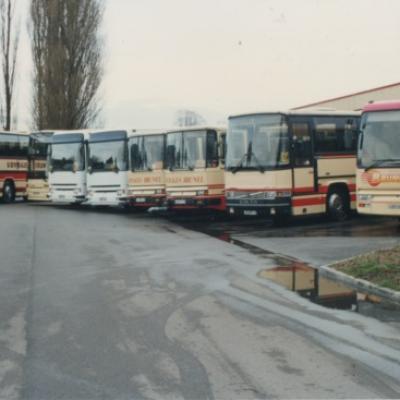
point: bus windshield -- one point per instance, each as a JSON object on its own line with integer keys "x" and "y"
{"x": 108, "y": 156}
{"x": 67, "y": 157}
{"x": 147, "y": 152}
{"x": 187, "y": 150}
{"x": 379, "y": 141}
{"x": 258, "y": 141}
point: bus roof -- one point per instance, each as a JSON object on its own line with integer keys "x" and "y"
{"x": 196, "y": 128}
{"x": 316, "y": 112}
{"x": 382, "y": 106}
{"x": 146, "y": 132}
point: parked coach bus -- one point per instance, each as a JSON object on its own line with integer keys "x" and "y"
{"x": 195, "y": 168}
{"x": 13, "y": 165}
{"x": 291, "y": 163}
{"x": 38, "y": 186}
{"x": 146, "y": 176}
{"x": 378, "y": 169}
{"x": 107, "y": 177}
{"x": 67, "y": 167}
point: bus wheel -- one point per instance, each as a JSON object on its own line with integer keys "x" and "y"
{"x": 8, "y": 192}
{"x": 338, "y": 205}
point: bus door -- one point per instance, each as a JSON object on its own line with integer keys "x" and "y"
{"x": 304, "y": 167}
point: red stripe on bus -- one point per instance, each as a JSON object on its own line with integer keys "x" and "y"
{"x": 313, "y": 201}
{"x": 333, "y": 155}
{"x": 14, "y": 175}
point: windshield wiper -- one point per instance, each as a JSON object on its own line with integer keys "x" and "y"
{"x": 239, "y": 164}
{"x": 259, "y": 166}
{"x": 378, "y": 163}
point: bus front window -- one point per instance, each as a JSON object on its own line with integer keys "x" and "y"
{"x": 108, "y": 156}
{"x": 153, "y": 152}
{"x": 67, "y": 157}
{"x": 380, "y": 145}
{"x": 194, "y": 150}
{"x": 260, "y": 142}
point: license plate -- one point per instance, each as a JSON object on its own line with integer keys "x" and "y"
{"x": 180, "y": 201}
{"x": 250, "y": 212}
{"x": 394, "y": 206}
{"x": 140, "y": 200}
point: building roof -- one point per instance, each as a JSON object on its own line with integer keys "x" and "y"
{"x": 348, "y": 95}
{"x": 316, "y": 112}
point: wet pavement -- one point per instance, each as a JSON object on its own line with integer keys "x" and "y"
{"x": 105, "y": 304}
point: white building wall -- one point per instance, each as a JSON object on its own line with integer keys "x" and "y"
{"x": 357, "y": 101}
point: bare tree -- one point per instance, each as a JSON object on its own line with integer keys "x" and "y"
{"x": 188, "y": 118}
{"x": 9, "y": 41}
{"x": 67, "y": 57}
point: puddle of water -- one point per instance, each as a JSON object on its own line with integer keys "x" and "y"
{"x": 306, "y": 281}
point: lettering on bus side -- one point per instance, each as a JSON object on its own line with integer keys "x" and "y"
{"x": 15, "y": 165}
{"x": 147, "y": 180}
{"x": 197, "y": 179}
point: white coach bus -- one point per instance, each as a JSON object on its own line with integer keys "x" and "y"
{"x": 67, "y": 167}
{"x": 107, "y": 178}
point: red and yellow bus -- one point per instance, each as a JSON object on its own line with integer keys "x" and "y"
{"x": 292, "y": 163}
{"x": 194, "y": 173}
{"x": 13, "y": 165}
{"x": 146, "y": 175}
{"x": 378, "y": 164}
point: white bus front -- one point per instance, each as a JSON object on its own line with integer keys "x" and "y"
{"x": 67, "y": 168}
{"x": 107, "y": 168}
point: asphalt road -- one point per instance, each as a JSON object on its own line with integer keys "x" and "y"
{"x": 102, "y": 304}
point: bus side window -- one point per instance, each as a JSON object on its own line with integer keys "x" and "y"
{"x": 302, "y": 144}
{"x": 222, "y": 149}
{"x": 212, "y": 149}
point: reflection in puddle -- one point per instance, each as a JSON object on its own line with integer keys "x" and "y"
{"x": 306, "y": 281}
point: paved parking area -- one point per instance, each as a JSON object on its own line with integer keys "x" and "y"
{"x": 103, "y": 304}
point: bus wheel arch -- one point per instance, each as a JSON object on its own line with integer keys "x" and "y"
{"x": 338, "y": 202}
{"x": 8, "y": 191}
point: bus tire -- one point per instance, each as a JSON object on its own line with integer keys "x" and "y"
{"x": 8, "y": 192}
{"x": 338, "y": 205}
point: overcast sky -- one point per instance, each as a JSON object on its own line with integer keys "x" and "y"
{"x": 221, "y": 57}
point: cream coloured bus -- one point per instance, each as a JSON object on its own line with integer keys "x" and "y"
{"x": 291, "y": 163}
{"x": 146, "y": 175}
{"x": 378, "y": 168}
{"x": 38, "y": 186}
{"x": 194, "y": 173}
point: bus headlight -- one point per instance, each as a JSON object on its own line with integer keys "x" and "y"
{"x": 270, "y": 195}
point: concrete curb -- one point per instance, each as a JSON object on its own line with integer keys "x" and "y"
{"x": 359, "y": 284}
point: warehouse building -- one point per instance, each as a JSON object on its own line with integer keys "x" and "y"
{"x": 356, "y": 101}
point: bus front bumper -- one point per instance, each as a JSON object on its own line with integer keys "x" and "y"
{"x": 63, "y": 197}
{"x": 147, "y": 201}
{"x": 259, "y": 208}
{"x": 379, "y": 204}
{"x": 196, "y": 202}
